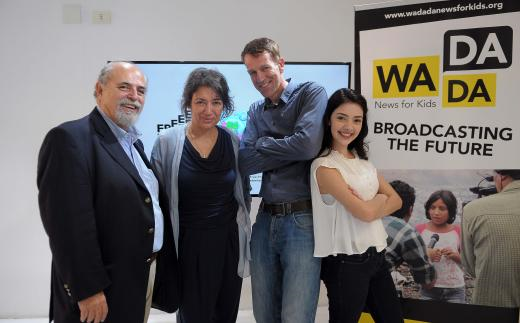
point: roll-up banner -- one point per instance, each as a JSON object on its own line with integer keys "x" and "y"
{"x": 442, "y": 82}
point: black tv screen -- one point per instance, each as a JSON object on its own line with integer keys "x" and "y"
{"x": 166, "y": 82}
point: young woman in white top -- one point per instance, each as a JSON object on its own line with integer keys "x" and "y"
{"x": 349, "y": 199}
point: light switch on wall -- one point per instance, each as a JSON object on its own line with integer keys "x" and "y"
{"x": 71, "y": 14}
{"x": 101, "y": 17}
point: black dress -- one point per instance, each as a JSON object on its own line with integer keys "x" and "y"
{"x": 208, "y": 234}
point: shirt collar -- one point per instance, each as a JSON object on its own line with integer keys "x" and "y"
{"x": 121, "y": 134}
{"x": 284, "y": 97}
{"x": 514, "y": 185}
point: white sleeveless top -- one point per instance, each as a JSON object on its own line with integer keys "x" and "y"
{"x": 449, "y": 273}
{"x": 336, "y": 230}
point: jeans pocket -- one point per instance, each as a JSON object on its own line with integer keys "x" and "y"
{"x": 303, "y": 220}
{"x": 255, "y": 233}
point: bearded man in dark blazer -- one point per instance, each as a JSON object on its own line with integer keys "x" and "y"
{"x": 102, "y": 209}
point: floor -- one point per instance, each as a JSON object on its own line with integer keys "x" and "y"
{"x": 244, "y": 316}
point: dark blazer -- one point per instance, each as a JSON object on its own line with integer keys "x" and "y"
{"x": 99, "y": 218}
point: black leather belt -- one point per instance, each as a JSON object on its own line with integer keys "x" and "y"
{"x": 286, "y": 208}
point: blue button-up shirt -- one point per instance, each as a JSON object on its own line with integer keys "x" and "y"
{"x": 127, "y": 141}
{"x": 281, "y": 140}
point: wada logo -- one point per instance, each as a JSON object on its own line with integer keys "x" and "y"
{"x": 469, "y": 90}
{"x": 464, "y": 50}
{"x": 406, "y": 77}
{"x": 475, "y": 49}
{"x": 478, "y": 48}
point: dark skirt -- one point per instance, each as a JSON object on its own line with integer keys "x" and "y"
{"x": 211, "y": 287}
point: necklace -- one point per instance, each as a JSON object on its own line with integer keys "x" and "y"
{"x": 196, "y": 146}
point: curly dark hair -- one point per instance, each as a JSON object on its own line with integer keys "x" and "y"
{"x": 448, "y": 198}
{"x": 338, "y": 98}
{"x": 407, "y": 194}
{"x": 210, "y": 78}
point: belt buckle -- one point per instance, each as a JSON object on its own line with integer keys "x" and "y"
{"x": 286, "y": 208}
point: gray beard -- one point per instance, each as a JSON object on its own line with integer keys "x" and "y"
{"x": 126, "y": 120}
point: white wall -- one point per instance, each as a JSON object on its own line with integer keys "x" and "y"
{"x": 48, "y": 70}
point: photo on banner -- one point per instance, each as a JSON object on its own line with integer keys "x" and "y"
{"x": 441, "y": 82}
{"x": 465, "y": 186}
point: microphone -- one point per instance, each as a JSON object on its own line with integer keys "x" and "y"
{"x": 433, "y": 240}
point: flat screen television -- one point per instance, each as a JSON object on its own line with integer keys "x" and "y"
{"x": 166, "y": 82}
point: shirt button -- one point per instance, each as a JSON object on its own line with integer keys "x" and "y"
{"x": 151, "y": 230}
{"x": 147, "y": 200}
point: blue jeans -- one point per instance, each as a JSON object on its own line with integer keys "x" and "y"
{"x": 285, "y": 277}
{"x": 451, "y": 295}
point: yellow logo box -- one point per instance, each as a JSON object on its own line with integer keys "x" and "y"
{"x": 406, "y": 77}
{"x": 469, "y": 90}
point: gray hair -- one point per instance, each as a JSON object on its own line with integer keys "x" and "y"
{"x": 210, "y": 78}
{"x": 106, "y": 71}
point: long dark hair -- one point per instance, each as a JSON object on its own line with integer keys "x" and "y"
{"x": 338, "y": 98}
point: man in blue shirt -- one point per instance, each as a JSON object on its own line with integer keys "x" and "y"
{"x": 283, "y": 134}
